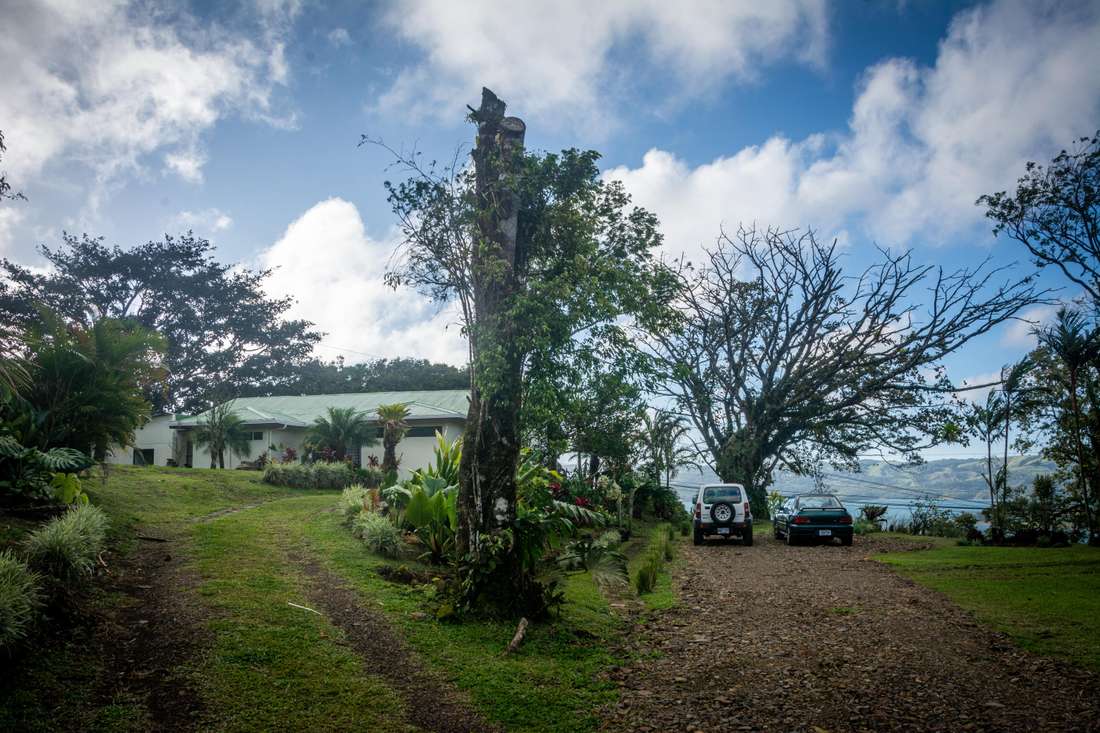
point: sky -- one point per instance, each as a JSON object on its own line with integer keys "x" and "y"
{"x": 877, "y": 123}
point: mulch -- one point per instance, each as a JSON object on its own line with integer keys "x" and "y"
{"x": 822, "y": 638}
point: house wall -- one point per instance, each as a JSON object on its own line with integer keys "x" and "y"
{"x": 414, "y": 453}
{"x": 155, "y": 435}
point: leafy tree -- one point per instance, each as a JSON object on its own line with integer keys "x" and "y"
{"x": 88, "y": 384}
{"x": 1076, "y": 346}
{"x": 341, "y": 430}
{"x": 394, "y": 427}
{"x": 1055, "y": 213}
{"x": 986, "y": 422}
{"x": 536, "y": 249}
{"x": 380, "y": 375}
{"x": 776, "y": 355}
{"x": 222, "y": 331}
{"x": 221, "y": 430}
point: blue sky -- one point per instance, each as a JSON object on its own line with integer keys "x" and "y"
{"x": 876, "y": 122}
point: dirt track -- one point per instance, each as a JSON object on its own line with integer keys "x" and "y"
{"x": 783, "y": 638}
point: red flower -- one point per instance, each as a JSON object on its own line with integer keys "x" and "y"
{"x": 581, "y": 501}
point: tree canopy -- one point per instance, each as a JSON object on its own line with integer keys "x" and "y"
{"x": 222, "y": 332}
{"x": 781, "y": 359}
{"x": 400, "y": 374}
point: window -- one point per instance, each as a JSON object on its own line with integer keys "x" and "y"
{"x": 143, "y": 456}
{"x": 818, "y": 502}
{"x": 254, "y": 434}
{"x": 424, "y": 431}
{"x": 711, "y": 494}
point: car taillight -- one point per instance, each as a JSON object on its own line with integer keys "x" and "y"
{"x": 801, "y": 520}
{"x": 746, "y": 510}
{"x": 846, "y": 519}
{"x": 698, "y": 510}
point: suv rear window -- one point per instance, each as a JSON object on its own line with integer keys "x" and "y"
{"x": 711, "y": 494}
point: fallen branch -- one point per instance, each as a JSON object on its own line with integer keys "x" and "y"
{"x": 521, "y": 631}
{"x": 304, "y": 608}
{"x": 147, "y": 538}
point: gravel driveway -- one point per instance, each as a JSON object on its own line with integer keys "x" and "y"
{"x": 818, "y": 638}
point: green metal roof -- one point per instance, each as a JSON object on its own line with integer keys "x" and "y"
{"x": 302, "y": 410}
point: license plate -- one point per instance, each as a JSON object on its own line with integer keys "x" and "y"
{"x": 824, "y": 533}
{"x": 723, "y": 530}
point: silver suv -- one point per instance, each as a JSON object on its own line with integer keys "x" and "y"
{"x": 722, "y": 510}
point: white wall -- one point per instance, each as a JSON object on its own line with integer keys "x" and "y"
{"x": 155, "y": 435}
{"x": 414, "y": 453}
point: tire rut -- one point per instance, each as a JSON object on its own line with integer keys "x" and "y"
{"x": 431, "y": 704}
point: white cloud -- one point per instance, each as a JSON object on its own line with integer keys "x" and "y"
{"x": 558, "y": 60}
{"x": 187, "y": 164}
{"x": 105, "y": 83}
{"x": 1012, "y": 82}
{"x": 339, "y": 37}
{"x": 203, "y": 223}
{"x": 978, "y": 396}
{"x": 326, "y": 261}
{"x": 9, "y": 218}
{"x": 1019, "y": 333}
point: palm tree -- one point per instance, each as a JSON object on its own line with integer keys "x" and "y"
{"x": 221, "y": 430}
{"x": 1075, "y": 345}
{"x": 344, "y": 429}
{"x": 664, "y": 446}
{"x": 394, "y": 427}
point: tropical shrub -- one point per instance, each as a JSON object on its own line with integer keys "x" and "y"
{"x": 445, "y": 463}
{"x": 20, "y": 598}
{"x": 221, "y": 430}
{"x": 873, "y": 512}
{"x": 66, "y": 548}
{"x": 310, "y": 475}
{"x": 67, "y": 489}
{"x": 434, "y": 518}
{"x": 26, "y": 473}
{"x": 392, "y": 418}
{"x": 342, "y": 430}
{"x": 646, "y": 578}
{"x": 378, "y": 533}
{"x": 353, "y": 500}
{"x": 863, "y": 526}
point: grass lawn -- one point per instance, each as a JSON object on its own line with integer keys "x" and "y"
{"x": 271, "y": 665}
{"x": 1047, "y": 600}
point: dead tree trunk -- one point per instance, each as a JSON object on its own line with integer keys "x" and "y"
{"x": 490, "y": 449}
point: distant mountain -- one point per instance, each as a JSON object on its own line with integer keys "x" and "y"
{"x": 946, "y": 479}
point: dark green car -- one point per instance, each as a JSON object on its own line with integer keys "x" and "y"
{"x": 811, "y": 518}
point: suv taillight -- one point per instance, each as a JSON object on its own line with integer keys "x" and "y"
{"x": 698, "y": 510}
{"x": 746, "y": 510}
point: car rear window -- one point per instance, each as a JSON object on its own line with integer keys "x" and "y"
{"x": 819, "y": 502}
{"x": 712, "y": 494}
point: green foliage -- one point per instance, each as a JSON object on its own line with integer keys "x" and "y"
{"x": 26, "y": 474}
{"x": 434, "y": 518}
{"x": 873, "y": 512}
{"x": 863, "y": 526}
{"x": 221, "y": 430}
{"x": 317, "y": 475}
{"x": 380, "y": 375}
{"x": 392, "y": 418}
{"x": 378, "y": 533}
{"x": 224, "y": 334}
{"x": 20, "y": 599}
{"x": 646, "y": 579}
{"x": 67, "y": 489}
{"x": 353, "y": 500}
{"x": 87, "y": 384}
{"x": 444, "y": 466}
{"x": 342, "y": 430}
{"x": 66, "y": 548}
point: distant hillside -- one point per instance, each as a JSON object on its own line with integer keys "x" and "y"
{"x": 952, "y": 478}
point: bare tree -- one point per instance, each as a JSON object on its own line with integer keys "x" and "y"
{"x": 776, "y": 355}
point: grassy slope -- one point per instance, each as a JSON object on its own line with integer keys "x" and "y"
{"x": 1047, "y": 600}
{"x": 274, "y": 666}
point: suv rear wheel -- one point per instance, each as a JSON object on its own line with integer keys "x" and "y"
{"x": 746, "y": 536}
{"x": 697, "y": 537}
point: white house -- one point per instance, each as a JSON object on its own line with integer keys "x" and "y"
{"x": 278, "y": 423}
